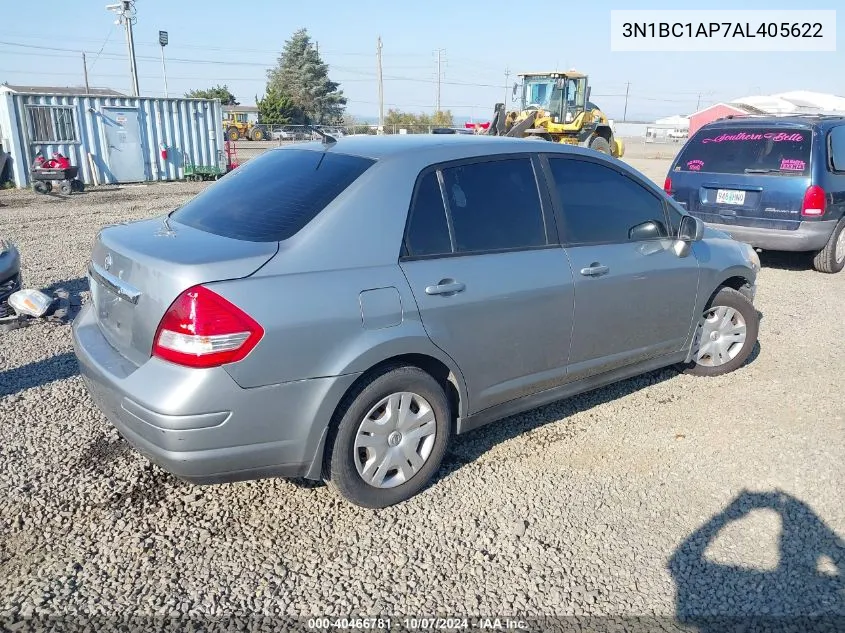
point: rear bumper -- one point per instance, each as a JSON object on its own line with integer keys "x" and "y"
{"x": 809, "y": 236}
{"x": 200, "y": 425}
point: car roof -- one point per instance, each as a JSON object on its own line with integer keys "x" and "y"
{"x": 806, "y": 120}
{"x": 450, "y": 145}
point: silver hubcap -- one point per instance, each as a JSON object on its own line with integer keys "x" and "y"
{"x": 839, "y": 251}
{"x": 720, "y": 336}
{"x": 395, "y": 440}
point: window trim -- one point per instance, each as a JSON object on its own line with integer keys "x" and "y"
{"x": 52, "y": 111}
{"x": 648, "y": 186}
{"x": 546, "y": 206}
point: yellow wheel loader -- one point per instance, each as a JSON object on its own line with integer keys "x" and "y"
{"x": 556, "y": 106}
{"x": 236, "y": 127}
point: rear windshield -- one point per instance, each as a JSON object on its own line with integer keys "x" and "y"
{"x": 271, "y": 197}
{"x": 784, "y": 152}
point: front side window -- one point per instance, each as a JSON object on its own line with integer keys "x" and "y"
{"x": 601, "y": 205}
{"x": 495, "y": 206}
{"x": 748, "y": 150}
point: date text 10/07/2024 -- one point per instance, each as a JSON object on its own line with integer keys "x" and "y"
{"x": 722, "y": 29}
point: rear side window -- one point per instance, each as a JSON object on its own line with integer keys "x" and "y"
{"x": 601, "y": 205}
{"x": 771, "y": 151}
{"x": 428, "y": 229}
{"x": 837, "y": 148}
{"x": 495, "y": 205}
{"x": 273, "y": 196}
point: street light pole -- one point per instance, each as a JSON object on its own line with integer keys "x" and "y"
{"x": 125, "y": 11}
{"x": 162, "y": 40}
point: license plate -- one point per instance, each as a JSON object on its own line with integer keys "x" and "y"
{"x": 730, "y": 196}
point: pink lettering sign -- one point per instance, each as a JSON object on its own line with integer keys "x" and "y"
{"x": 777, "y": 137}
{"x": 791, "y": 164}
{"x": 695, "y": 165}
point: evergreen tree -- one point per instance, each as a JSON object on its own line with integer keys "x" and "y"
{"x": 277, "y": 108}
{"x": 217, "y": 92}
{"x": 301, "y": 74}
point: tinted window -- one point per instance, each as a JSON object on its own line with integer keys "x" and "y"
{"x": 837, "y": 147}
{"x": 273, "y": 196}
{"x": 602, "y": 205}
{"x": 780, "y": 151}
{"x": 495, "y": 205}
{"x": 428, "y": 230}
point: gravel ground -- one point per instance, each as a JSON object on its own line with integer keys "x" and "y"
{"x": 608, "y": 504}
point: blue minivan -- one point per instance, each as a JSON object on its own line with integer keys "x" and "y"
{"x": 774, "y": 182}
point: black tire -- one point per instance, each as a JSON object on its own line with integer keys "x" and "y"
{"x": 831, "y": 259}
{"x": 258, "y": 134}
{"x": 77, "y": 185}
{"x": 600, "y": 144}
{"x": 40, "y": 186}
{"x": 730, "y": 298}
{"x": 340, "y": 470}
{"x": 233, "y": 134}
{"x": 65, "y": 187}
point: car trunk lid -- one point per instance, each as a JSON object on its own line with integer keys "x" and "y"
{"x": 137, "y": 270}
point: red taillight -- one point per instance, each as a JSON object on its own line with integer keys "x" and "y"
{"x": 202, "y": 329}
{"x": 667, "y": 185}
{"x": 814, "y": 201}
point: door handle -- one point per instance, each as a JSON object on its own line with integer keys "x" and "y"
{"x": 445, "y": 287}
{"x": 595, "y": 270}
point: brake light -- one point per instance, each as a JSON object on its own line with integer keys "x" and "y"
{"x": 667, "y": 185}
{"x": 814, "y": 201}
{"x": 202, "y": 329}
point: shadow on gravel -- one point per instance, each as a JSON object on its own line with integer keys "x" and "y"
{"x": 465, "y": 449}
{"x": 39, "y": 373}
{"x": 787, "y": 261}
{"x": 804, "y": 592}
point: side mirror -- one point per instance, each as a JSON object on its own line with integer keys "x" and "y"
{"x": 646, "y": 231}
{"x": 691, "y": 230}
{"x": 589, "y": 88}
{"x": 515, "y": 89}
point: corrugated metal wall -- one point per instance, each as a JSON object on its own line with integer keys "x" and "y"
{"x": 187, "y": 127}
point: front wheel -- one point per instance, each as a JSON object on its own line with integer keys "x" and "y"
{"x": 600, "y": 144}
{"x": 725, "y": 335}
{"x": 831, "y": 259}
{"x": 391, "y": 438}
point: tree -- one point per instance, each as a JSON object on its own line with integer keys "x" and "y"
{"x": 395, "y": 119}
{"x": 301, "y": 74}
{"x": 217, "y": 92}
{"x": 276, "y": 108}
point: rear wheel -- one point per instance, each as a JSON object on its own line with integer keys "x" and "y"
{"x": 831, "y": 259}
{"x": 600, "y": 144}
{"x": 41, "y": 186}
{"x": 391, "y": 438}
{"x": 257, "y": 134}
{"x": 725, "y": 335}
{"x": 65, "y": 187}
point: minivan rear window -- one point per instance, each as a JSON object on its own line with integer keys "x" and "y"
{"x": 271, "y": 197}
{"x": 768, "y": 151}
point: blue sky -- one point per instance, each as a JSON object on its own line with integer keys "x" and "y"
{"x": 234, "y": 42}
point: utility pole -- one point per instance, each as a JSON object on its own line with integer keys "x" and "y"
{"x": 85, "y": 73}
{"x": 162, "y": 40}
{"x": 625, "y": 113}
{"x": 380, "y": 88}
{"x": 698, "y": 103}
{"x": 439, "y": 52}
{"x": 126, "y": 15}
{"x": 507, "y": 74}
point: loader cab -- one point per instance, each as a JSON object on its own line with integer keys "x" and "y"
{"x": 563, "y": 95}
